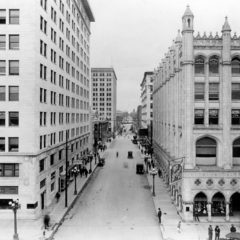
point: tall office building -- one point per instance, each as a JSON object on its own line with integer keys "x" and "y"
{"x": 146, "y": 99}
{"x": 104, "y": 94}
{"x": 44, "y": 94}
{"x": 197, "y": 122}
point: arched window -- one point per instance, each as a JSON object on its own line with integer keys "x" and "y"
{"x": 189, "y": 22}
{"x": 199, "y": 65}
{"x": 235, "y": 65}
{"x": 206, "y": 148}
{"x": 236, "y": 148}
{"x": 214, "y": 65}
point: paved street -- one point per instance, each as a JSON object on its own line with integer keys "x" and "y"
{"x": 117, "y": 203}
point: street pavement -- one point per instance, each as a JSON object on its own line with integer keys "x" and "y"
{"x": 116, "y": 204}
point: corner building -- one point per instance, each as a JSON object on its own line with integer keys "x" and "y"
{"x": 196, "y": 105}
{"x": 44, "y": 94}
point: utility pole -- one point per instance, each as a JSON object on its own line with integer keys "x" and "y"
{"x": 66, "y": 171}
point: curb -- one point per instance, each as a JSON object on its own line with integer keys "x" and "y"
{"x": 51, "y": 237}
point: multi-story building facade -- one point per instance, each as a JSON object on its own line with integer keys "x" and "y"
{"x": 44, "y": 94}
{"x": 104, "y": 94}
{"x": 196, "y": 122}
{"x": 146, "y": 99}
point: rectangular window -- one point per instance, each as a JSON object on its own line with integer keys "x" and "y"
{"x": 41, "y": 165}
{"x": 199, "y": 116}
{"x": 13, "y": 119}
{"x": 13, "y": 93}
{"x": 52, "y": 186}
{"x": 2, "y": 16}
{"x": 9, "y": 170}
{"x": 52, "y": 159}
{"x": 13, "y": 144}
{"x": 13, "y": 67}
{"x": 2, "y": 93}
{"x": 213, "y": 116}
{"x": 235, "y": 91}
{"x": 14, "y": 16}
{"x": 2, "y": 144}
{"x": 2, "y": 42}
{"x": 43, "y": 183}
{"x": 2, "y": 118}
{"x": 14, "y": 42}
{"x": 235, "y": 116}
{"x": 213, "y": 91}
{"x": 199, "y": 91}
{"x": 2, "y": 67}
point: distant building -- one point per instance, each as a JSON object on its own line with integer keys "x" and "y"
{"x": 196, "y": 122}
{"x": 44, "y": 94}
{"x": 146, "y": 99}
{"x": 104, "y": 94}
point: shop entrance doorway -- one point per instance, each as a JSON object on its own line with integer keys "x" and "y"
{"x": 234, "y": 204}
{"x": 200, "y": 204}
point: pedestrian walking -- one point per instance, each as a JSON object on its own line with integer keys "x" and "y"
{"x": 46, "y": 221}
{"x": 159, "y": 215}
{"x": 57, "y": 196}
{"x": 233, "y": 229}
{"x": 217, "y": 233}
{"x": 196, "y": 215}
{"x": 116, "y": 154}
{"x": 179, "y": 227}
{"x": 210, "y": 232}
{"x": 159, "y": 172}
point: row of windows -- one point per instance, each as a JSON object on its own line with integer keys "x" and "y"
{"x": 9, "y": 170}
{"x": 213, "y": 116}
{"x": 213, "y": 91}
{"x": 75, "y": 117}
{"x": 13, "y": 67}
{"x": 200, "y": 68}
{"x": 13, "y": 41}
{"x": 75, "y": 103}
{"x": 102, "y": 94}
{"x": 12, "y": 144}
{"x": 74, "y": 87}
{"x": 102, "y": 89}
{"x": 13, "y": 118}
{"x": 102, "y": 74}
{"x": 13, "y": 93}
{"x": 51, "y": 139}
{"x": 13, "y": 16}
{"x": 102, "y": 84}
{"x": 207, "y": 148}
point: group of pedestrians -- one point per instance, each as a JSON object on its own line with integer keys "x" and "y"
{"x": 217, "y": 231}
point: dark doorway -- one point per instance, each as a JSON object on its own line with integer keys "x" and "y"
{"x": 200, "y": 204}
{"x": 234, "y": 204}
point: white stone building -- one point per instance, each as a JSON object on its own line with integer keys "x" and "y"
{"x": 196, "y": 123}
{"x": 104, "y": 94}
{"x": 146, "y": 99}
{"x": 44, "y": 94}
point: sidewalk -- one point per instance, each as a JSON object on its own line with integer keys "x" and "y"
{"x": 33, "y": 229}
{"x": 170, "y": 217}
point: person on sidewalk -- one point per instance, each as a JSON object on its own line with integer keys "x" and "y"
{"x": 196, "y": 215}
{"x": 210, "y": 232}
{"x": 46, "y": 221}
{"x": 233, "y": 229}
{"x": 159, "y": 215}
{"x": 179, "y": 227}
{"x": 159, "y": 173}
{"x": 57, "y": 196}
{"x": 116, "y": 154}
{"x": 217, "y": 233}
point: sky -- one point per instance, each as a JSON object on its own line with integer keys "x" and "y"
{"x": 132, "y": 36}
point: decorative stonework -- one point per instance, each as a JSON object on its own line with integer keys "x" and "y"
{"x": 233, "y": 182}
{"x": 197, "y": 182}
{"x": 221, "y": 182}
{"x": 209, "y": 182}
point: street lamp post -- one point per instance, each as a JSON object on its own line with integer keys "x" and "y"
{"x": 153, "y": 172}
{"x": 14, "y": 205}
{"x": 75, "y": 171}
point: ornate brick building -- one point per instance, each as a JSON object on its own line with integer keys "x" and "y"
{"x": 196, "y": 121}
